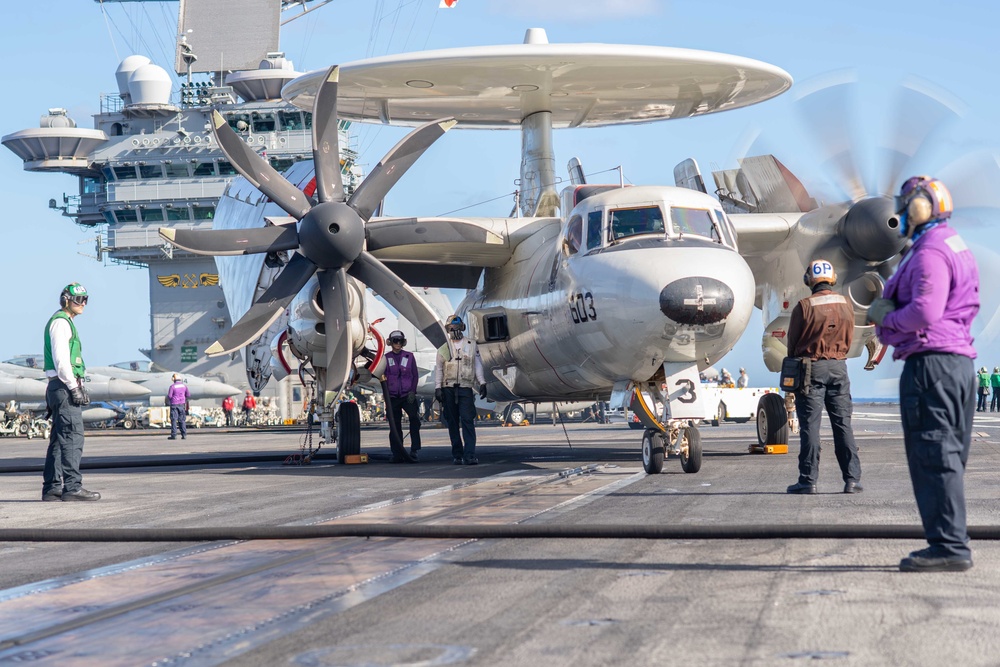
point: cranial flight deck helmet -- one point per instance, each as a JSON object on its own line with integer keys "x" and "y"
{"x": 922, "y": 199}
{"x": 397, "y": 335}
{"x": 73, "y": 293}
{"x": 455, "y": 326}
{"x": 819, "y": 271}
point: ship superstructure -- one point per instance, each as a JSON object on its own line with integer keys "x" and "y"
{"x": 151, "y": 160}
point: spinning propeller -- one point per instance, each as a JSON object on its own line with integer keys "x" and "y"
{"x": 915, "y": 141}
{"x": 329, "y": 237}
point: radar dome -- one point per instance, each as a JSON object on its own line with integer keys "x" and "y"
{"x": 149, "y": 85}
{"x": 124, "y": 71}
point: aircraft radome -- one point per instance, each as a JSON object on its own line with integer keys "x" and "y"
{"x": 600, "y": 290}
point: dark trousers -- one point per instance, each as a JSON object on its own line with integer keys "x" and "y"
{"x": 62, "y": 460}
{"x": 178, "y": 418}
{"x": 981, "y": 404}
{"x": 936, "y": 395}
{"x": 458, "y": 406}
{"x": 995, "y": 403}
{"x": 830, "y": 387}
{"x": 397, "y": 404}
{"x": 229, "y": 417}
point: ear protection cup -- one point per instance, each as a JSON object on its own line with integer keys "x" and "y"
{"x": 63, "y": 300}
{"x": 805, "y": 278}
{"x": 918, "y": 210}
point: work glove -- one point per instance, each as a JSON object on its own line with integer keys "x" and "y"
{"x": 78, "y": 396}
{"x": 438, "y": 395}
{"x": 482, "y": 391}
{"x": 411, "y": 397}
{"x": 879, "y": 309}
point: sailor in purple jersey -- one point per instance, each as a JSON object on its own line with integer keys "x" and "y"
{"x": 926, "y": 314}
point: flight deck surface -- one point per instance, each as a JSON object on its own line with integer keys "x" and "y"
{"x": 382, "y": 601}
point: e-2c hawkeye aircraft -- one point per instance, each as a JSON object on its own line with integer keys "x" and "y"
{"x": 600, "y": 290}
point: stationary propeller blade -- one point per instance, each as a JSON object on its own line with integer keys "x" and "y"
{"x": 386, "y": 173}
{"x": 258, "y": 171}
{"x": 400, "y": 296}
{"x": 267, "y": 308}
{"x": 326, "y": 140}
{"x": 337, "y": 324}
{"x": 233, "y": 241}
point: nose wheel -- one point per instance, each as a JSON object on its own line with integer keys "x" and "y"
{"x": 681, "y": 440}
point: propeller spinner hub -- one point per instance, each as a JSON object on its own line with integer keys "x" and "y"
{"x": 331, "y": 235}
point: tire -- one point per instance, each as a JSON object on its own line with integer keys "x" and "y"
{"x": 24, "y": 428}
{"x": 721, "y": 413}
{"x": 772, "y": 420}
{"x": 515, "y": 414}
{"x": 128, "y": 424}
{"x": 691, "y": 460}
{"x": 653, "y": 452}
{"x": 348, "y": 430}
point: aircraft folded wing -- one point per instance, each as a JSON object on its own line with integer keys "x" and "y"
{"x": 475, "y": 242}
{"x": 760, "y": 233}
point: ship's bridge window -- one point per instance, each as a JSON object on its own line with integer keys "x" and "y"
{"x": 289, "y": 120}
{"x": 128, "y": 215}
{"x": 152, "y": 214}
{"x": 150, "y": 171}
{"x": 574, "y": 235}
{"x": 625, "y": 222}
{"x": 203, "y": 212}
{"x": 123, "y": 173}
{"x": 226, "y": 168}
{"x": 204, "y": 169}
{"x": 697, "y": 221}
{"x": 263, "y": 122}
{"x": 594, "y": 225}
{"x": 176, "y": 169}
{"x": 178, "y": 213}
{"x": 308, "y": 118}
{"x": 109, "y": 217}
{"x": 239, "y": 121}
{"x": 92, "y": 186}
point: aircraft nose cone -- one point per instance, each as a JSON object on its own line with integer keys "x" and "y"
{"x": 123, "y": 390}
{"x": 216, "y": 389}
{"x": 697, "y": 300}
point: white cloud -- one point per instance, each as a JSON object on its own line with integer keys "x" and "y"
{"x": 577, "y": 10}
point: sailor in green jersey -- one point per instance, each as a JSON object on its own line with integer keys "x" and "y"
{"x": 984, "y": 389}
{"x": 995, "y": 386}
{"x": 65, "y": 396}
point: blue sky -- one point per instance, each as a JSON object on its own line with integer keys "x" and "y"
{"x": 69, "y": 62}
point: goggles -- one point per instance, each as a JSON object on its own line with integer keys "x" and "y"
{"x": 397, "y": 341}
{"x": 78, "y": 300}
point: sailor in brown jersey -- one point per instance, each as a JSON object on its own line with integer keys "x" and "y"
{"x": 822, "y": 330}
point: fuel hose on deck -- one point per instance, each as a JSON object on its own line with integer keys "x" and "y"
{"x": 478, "y": 531}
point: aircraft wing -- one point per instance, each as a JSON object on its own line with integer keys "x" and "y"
{"x": 440, "y": 252}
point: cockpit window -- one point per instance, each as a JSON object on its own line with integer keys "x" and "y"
{"x": 727, "y": 228}
{"x": 627, "y": 222}
{"x": 694, "y": 221}
{"x": 594, "y": 220}
{"x": 574, "y": 235}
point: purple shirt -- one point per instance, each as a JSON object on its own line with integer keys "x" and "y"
{"x": 401, "y": 373}
{"x": 936, "y": 290}
{"x": 178, "y": 394}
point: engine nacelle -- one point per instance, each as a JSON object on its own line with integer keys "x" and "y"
{"x": 871, "y": 230}
{"x": 306, "y": 328}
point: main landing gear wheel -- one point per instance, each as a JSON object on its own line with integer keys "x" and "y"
{"x": 772, "y": 421}
{"x": 515, "y": 414}
{"x": 691, "y": 450}
{"x": 653, "y": 451}
{"x": 348, "y": 430}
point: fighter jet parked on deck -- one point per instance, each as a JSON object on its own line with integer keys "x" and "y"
{"x": 156, "y": 384}
{"x": 599, "y": 290}
{"x": 100, "y": 387}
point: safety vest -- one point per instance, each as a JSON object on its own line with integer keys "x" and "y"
{"x": 75, "y": 348}
{"x": 461, "y": 369}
